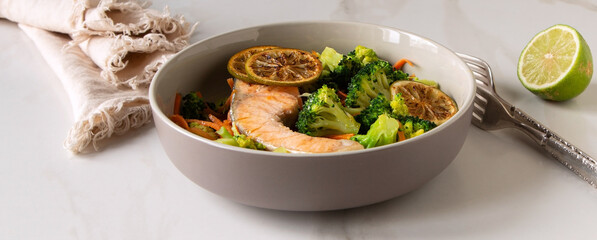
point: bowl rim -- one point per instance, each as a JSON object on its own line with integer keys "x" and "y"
{"x": 152, "y": 92}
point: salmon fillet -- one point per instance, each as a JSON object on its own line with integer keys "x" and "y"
{"x": 264, "y": 113}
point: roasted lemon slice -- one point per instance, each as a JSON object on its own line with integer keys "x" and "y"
{"x": 283, "y": 67}
{"x": 424, "y": 101}
{"x": 236, "y": 64}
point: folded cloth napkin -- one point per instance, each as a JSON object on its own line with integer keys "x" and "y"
{"x": 105, "y": 53}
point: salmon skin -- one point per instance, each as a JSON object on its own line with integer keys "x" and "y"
{"x": 264, "y": 113}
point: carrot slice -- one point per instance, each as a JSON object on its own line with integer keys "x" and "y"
{"x": 230, "y": 82}
{"x": 219, "y": 122}
{"x": 177, "y": 100}
{"x": 228, "y": 125}
{"x": 214, "y": 119}
{"x": 400, "y": 63}
{"x": 342, "y": 96}
{"x": 401, "y": 136}
{"x": 180, "y": 121}
{"x": 340, "y": 136}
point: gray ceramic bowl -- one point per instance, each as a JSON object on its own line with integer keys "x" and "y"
{"x": 310, "y": 182}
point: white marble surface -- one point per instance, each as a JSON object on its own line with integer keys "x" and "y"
{"x": 499, "y": 187}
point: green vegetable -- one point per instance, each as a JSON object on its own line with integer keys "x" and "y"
{"x": 245, "y": 142}
{"x": 193, "y": 107}
{"x": 364, "y": 55}
{"x": 378, "y": 106}
{"x": 338, "y": 69}
{"x": 413, "y": 126}
{"x": 281, "y": 150}
{"x": 329, "y": 60}
{"x": 323, "y": 114}
{"x": 398, "y": 105}
{"x": 374, "y": 79}
{"x": 226, "y": 137}
{"x": 382, "y": 132}
{"x": 204, "y": 128}
{"x": 238, "y": 140}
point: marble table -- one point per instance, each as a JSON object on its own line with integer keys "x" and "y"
{"x": 500, "y": 186}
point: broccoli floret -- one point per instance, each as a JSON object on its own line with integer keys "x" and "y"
{"x": 350, "y": 65}
{"x": 346, "y": 69}
{"x": 364, "y": 55}
{"x": 383, "y": 131}
{"x": 378, "y": 106}
{"x": 238, "y": 140}
{"x": 193, "y": 106}
{"x": 323, "y": 114}
{"x": 413, "y": 126}
{"x": 374, "y": 79}
{"x": 399, "y": 107}
{"x": 337, "y": 72}
{"x": 338, "y": 69}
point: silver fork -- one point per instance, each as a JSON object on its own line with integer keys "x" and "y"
{"x": 491, "y": 112}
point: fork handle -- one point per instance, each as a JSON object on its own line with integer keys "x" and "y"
{"x": 563, "y": 151}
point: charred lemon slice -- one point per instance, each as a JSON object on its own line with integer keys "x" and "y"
{"x": 424, "y": 101}
{"x": 236, "y": 64}
{"x": 283, "y": 67}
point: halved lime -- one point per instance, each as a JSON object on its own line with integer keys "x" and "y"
{"x": 556, "y": 64}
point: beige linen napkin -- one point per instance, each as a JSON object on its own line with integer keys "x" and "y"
{"x": 100, "y": 108}
{"x": 105, "y": 53}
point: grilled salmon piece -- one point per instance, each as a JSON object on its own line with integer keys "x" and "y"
{"x": 264, "y": 113}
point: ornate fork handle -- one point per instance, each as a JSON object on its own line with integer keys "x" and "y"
{"x": 563, "y": 151}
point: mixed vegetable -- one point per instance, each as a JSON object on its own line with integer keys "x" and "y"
{"x": 356, "y": 96}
